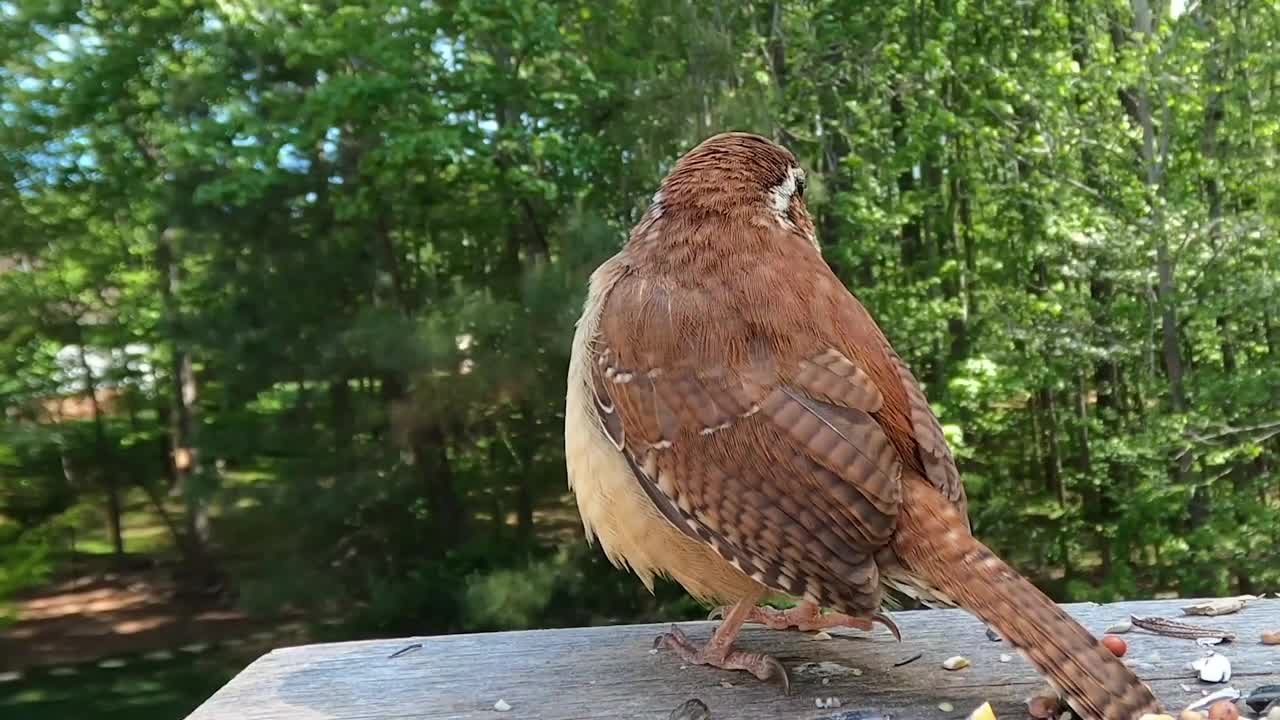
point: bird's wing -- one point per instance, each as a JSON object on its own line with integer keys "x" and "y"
{"x": 935, "y": 455}
{"x": 774, "y": 460}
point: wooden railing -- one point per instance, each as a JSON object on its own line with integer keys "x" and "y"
{"x": 610, "y": 672}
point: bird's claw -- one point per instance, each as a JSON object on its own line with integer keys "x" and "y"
{"x": 764, "y": 667}
{"x": 773, "y": 666}
{"x": 888, "y": 622}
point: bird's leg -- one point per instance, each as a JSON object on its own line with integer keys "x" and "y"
{"x": 719, "y": 652}
{"x": 807, "y": 616}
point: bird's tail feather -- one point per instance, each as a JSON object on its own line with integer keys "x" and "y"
{"x": 936, "y": 548}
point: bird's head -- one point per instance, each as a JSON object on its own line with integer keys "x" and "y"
{"x": 743, "y": 177}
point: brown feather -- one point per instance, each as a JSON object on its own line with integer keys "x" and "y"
{"x": 731, "y": 400}
{"x": 931, "y": 542}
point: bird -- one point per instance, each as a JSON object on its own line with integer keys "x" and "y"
{"x": 737, "y": 421}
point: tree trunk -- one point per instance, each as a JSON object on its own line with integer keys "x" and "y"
{"x": 431, "y": 455}
{"x": 910, "y": 236}
{"x": 1154, "y": 152}
{"x": 102, "y": 448}
{"x": 183, "y": 420}
{"x": 340, "y": 406}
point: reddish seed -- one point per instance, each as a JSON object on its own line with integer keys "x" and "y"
{"x": 1223, "y": 710}
{"x": 1115, "y": 644}
{"x": 1043, "y": 707}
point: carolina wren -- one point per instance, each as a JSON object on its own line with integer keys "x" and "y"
{"x": 736, "y": 420}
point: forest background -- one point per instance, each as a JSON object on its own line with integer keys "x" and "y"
{"x": 287, "y": 289}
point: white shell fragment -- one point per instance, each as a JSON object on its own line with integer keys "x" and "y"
{"x": 502, "y": 705}
{"x": 828, "y": 702}
{"x": 955, "y": 662}
{"x": 1119, "y": 628}
{"x": 1213, "y": 668}
{"x": 1005, "y": 657}
{"x": 1226, "y": 693}
{"x": 1219, "y": 606}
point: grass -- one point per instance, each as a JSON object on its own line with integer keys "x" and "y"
{"x": 85, "y": 528}
{"x": 140, "y": 690}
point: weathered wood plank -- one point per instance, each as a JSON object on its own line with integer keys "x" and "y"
{"x": 609, "y": 672}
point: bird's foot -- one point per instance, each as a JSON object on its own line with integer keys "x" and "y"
{"x": 807, "y": 617}
{"x": 723, "y": 656}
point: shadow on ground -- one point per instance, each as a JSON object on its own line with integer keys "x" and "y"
{"x": 121, "y": 645}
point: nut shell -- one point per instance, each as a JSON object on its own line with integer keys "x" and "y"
{"x": 1115, "y": 644}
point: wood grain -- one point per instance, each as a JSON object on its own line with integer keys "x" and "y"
{"x": 609, "y": 672}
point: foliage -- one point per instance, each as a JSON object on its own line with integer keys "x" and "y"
{"x": 311, "y": 270}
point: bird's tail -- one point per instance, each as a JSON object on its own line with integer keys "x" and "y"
{"x": 934, "y": 546}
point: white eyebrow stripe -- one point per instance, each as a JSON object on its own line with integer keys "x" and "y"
{"x": 780, "y": 195}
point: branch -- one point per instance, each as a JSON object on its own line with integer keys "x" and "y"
{"x": 1268, "y": 431}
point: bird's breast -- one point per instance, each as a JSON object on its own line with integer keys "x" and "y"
{"x": 614, "y": 507}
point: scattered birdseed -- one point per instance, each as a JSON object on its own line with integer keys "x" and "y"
{"x": 984, "y": 712}
{"x": 1263, "y": 697}
{"x": 1044, "y": 707}
{"x": 827, "y": 668}
{"x": 946, "y": 707}
{"x": 1120, "y": 627}
{"x": 822, "y": 635}
{"x": 1223, "y": 710}
{"x": 1005, "y": 657}
{"x": 955, "y": 662}
{"x": 1213, "y": 668}
{"x": 1227, "y": 693}
{"x": 502, "y": 705}
{"x": 1219, "y": 606}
